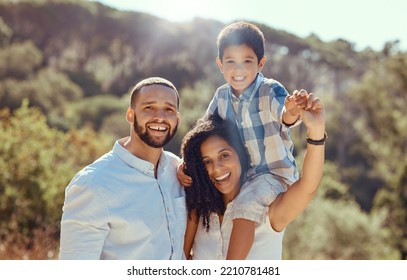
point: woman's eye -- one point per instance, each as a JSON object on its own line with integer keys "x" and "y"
{"x": 225, "y": 155}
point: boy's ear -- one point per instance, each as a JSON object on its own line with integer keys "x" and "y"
{"x": 262, "y": 62}
{"x": 219, "y": 62}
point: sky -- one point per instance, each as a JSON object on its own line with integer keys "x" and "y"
{"x": 361, "y": 22}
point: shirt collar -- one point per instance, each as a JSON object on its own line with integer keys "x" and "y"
{"x": 249, "y": 93}
{"x": 144, "y": 166}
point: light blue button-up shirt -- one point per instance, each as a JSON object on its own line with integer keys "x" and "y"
{"x": 115, "y": 208}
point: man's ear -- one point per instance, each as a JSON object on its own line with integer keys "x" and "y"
{"x": 130, "y": 115}
{"x": 179, "y": 118}
{"x": 262, "y": 62}
{"x": 219, "y": 62}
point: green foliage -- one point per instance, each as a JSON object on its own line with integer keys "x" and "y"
{"x": 338, "y": 229}
{"x": 381, "y": 99}
{"x": 394, "y": 199}
{"x": 76, "y": 60}
{"x": 37, "y": 162}
{"x": 94, "y": 111}
{"x": 378, "y": 105}
{"x": 334, "y": 227}
{"x": 19, "y": 60}
{"x": 47, "y": 89}
{"x": 5, "y": 33}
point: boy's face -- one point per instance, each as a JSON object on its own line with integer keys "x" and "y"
{"x": 239, "y": 67}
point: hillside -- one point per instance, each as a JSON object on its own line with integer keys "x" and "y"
{"x": 112, "y": 49}
{"x": 76, "y": 60}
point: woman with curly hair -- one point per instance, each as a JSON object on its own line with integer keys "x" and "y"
{"x": 216, "y": 161}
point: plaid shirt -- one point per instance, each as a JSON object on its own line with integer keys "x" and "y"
{"x": 259, "y": 121}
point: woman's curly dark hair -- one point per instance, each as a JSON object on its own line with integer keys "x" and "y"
{"x": 202, "y": 196}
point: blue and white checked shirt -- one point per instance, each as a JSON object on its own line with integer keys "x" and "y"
{"x": 258, "y": 116}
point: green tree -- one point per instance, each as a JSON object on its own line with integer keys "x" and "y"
{"x": 380, "y": 123}
{"x": 5, "y": 33}
{"x": 334, "y": 227}
{"x": 19, "y": 60}
{"x": 37, "y": 163}
{"x": 46, "y": 89}
{"x": 93, "y": 111}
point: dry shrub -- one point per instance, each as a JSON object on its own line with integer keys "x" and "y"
{"x": 42, "y": 244}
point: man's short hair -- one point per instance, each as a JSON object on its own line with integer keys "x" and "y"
{"x": 151, "y": 81}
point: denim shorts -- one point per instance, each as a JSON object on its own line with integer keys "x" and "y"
{"x": 255, "y": 197}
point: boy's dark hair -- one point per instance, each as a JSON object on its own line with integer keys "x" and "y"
{"x": 151, "y": 81}
{"x": 202, "y": 196}
{"x": 241, "y": 33}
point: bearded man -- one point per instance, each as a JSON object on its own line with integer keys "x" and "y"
{"x": 129, "y": 204}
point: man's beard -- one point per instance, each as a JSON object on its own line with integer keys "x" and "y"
{"x": 149, "y": 140}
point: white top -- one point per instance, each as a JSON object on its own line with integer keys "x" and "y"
{"x": 213, "y": 245}
{"x": 116, "y": 209}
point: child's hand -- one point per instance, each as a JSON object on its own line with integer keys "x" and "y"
{"x": 290, "y": 105}
{"x": 184, "y": 179}
{"x": 300, "y": 99}
{"x": 296, "y": 101}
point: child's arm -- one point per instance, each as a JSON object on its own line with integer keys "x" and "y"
{"x": 192, "y": 225}
{"x": 184, "y": 179}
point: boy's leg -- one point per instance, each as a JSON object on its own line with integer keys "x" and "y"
{"x": 251, "y": 207}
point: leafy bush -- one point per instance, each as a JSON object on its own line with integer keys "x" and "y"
{"x": 37, "y": 162}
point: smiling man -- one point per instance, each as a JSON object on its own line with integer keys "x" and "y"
{"x": 129, "y": 204}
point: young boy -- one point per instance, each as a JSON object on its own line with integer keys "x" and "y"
{"x": 263, "y": 112}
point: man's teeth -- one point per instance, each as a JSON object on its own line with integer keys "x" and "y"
{"x": 159, "y": 128}
{"x": 238, "y": 78}
{"x": 222, "y": 177}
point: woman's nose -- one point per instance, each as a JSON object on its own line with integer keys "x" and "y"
{"x": 217, "y": 165}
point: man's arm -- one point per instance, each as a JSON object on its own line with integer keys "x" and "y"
{"x": 83, "y": 225}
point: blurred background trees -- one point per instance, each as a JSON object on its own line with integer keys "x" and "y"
{"x": 66, "y": 68}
